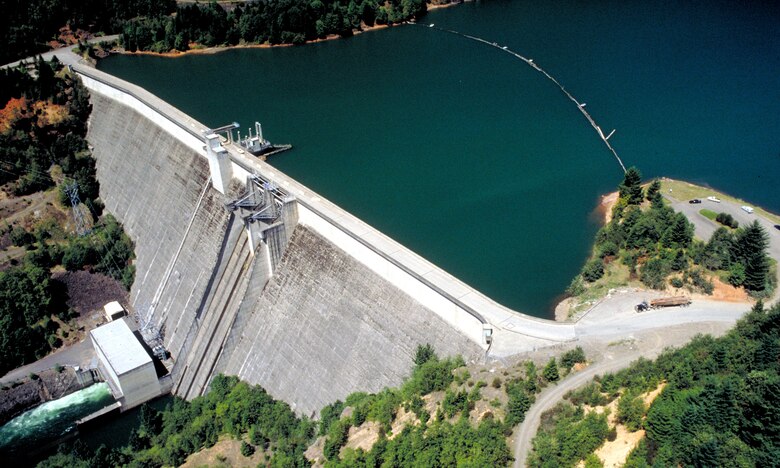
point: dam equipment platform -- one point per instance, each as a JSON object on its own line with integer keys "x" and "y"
{"x": 254, "y": 144}
{"x": 257, "y": 145}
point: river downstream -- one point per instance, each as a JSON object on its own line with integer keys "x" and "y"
{"x": 472, "y": 159}
{"x": 33, "y": 429}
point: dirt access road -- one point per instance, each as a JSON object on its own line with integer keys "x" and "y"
{"x": 607, "y": 356}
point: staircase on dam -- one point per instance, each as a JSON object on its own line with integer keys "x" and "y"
{"x": 216, "y": 314}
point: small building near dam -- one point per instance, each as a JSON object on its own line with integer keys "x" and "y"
{"x": 125, "y": 364}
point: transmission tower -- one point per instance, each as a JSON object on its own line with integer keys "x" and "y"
{"x": 72, "y": 190}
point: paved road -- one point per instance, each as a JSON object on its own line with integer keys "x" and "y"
{"x": 705, "y": 227}
{"x": 79, "y": 354}
{"x": 64, "y": 54}
{"x": 615, "y": 319}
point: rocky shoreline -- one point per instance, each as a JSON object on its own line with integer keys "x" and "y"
{"x": 29, "y": 392}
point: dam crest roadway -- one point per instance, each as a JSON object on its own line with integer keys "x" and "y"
{"x": 311, "y": 302}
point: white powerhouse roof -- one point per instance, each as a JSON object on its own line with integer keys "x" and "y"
{"x": 120, "y": 346}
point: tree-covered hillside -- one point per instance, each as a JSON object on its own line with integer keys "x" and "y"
{"x": 646, "y": 240}
{"x": 278, "y": 22}
{"x": 43, "y": 151}
{"x": 27, "y": 25}
{"x": 720, "y": 405}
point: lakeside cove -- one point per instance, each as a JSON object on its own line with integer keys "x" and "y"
{"x": 699, "y": 204}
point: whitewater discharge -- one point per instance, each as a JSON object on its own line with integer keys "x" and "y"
{"x": 532, "y": 64}
{"x": 53, "y": 419}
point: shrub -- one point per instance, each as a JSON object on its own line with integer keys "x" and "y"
{"x": 727, "y": 220}
{"x": 571, "y": 357}
{"x": 496, "y": 383}
{"x": 608, "y": 249}
{"x": 676, "y": 282}
{"x": 736, "y": 274}
{"x": 630, "y": 411}
{"x": 590, "y": 394}
{"x": 593, "y": 270}
{"x": 247, "y": 450}
{"x": 550, "y": 371}
{"x": 20, "y": 237}
{"x": 654, "y": 273}
{"x": 701, "y": 282}
{"x": 575, "y": 287}
{"x": 58, "y": 368}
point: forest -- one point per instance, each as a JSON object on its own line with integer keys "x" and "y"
{"x": 448, "y": 437}
{"x": 280, "y": 22}
{"x": 657, "y": 246}
{"x": 719, "y": 405}
{"x": 27, "y": 25}
{"x": 43, "y": 149}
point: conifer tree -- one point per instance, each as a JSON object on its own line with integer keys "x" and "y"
{"x": 750, "y": 250}
{"x": 653, "y": 193}
{"x": 550, "y": 371}
{"x": 631, "y": 188}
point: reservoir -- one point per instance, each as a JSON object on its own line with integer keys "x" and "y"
{"x": 474, "y": 160}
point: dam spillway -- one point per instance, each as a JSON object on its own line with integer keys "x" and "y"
{"x": 314, "y": 307}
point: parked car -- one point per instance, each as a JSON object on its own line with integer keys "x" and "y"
{"x": 777, "y": 226}
{"x": 694, "y": 201}
{"x": 714, "y": 199}
{"x": 747, "y": 209}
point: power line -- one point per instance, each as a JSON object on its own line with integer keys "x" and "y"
{"x": 72, "y": 190}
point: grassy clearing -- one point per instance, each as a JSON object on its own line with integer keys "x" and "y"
{"x": 682, "y": 190}
{"x": 709, "y": 214}
{"x": 616, "y": 275}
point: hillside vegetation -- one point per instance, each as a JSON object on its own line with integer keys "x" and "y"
{"x": 280, "y": 22}
{"x": 719, "y": 406}
{"x": 438, "y": 417}
{"x": 42, "y": 151}
{"x": 27, "y": 28}
{"x": 647, "y": 241}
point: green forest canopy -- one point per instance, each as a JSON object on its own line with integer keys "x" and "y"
{"x": 720, "y": 407}
{"x": 26, "y": 26}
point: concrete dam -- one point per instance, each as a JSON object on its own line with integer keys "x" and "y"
{"x": 284, "y": 289}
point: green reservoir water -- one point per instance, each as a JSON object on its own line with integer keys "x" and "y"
{"x": 475, "y": 161}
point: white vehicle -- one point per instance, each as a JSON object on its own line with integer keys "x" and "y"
{"x": 747, "y": 209}
{"x": 714, "y": 199}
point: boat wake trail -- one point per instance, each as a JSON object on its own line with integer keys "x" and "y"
{"x": 532, "y": 64}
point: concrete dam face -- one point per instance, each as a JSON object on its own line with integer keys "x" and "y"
{"x": 241, "y": 269}
{"x": 305, "y": 319}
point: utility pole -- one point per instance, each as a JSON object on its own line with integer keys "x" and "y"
{"x": 72, "y": 190}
